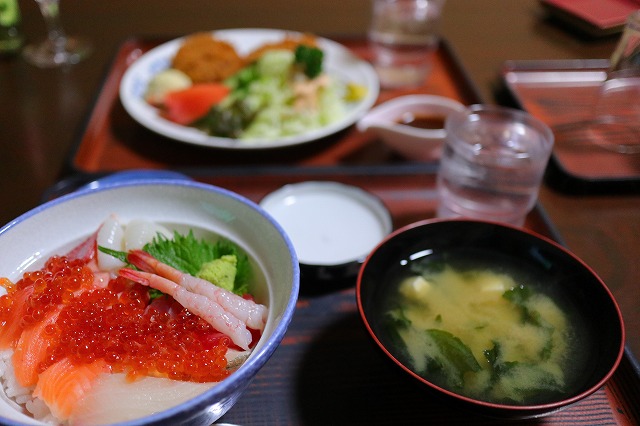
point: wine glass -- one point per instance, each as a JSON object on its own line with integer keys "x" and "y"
{"x": 57, "y": 49}
{"x": 615, "y": 118}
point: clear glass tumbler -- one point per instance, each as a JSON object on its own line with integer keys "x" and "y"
{"x": 618, "y": 106}
{"x": 404, "y": 34}
{"x": 614, "y": 121}
{"x": 492, "y": 164}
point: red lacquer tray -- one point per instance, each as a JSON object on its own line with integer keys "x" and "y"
{"x": 328, "y": 371}
{"x": 561, "y": 92}
{"x": 111, "y": 140}
{"x": 596, "y": 18}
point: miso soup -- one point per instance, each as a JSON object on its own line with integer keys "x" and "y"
{"x": 482, "y": 331}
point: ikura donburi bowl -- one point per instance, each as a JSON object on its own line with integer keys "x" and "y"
{"x": 57, "y": 226}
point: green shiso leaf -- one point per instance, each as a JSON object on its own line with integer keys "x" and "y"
{"x": 183, "y": 252}
{"x": 188, "y": 253}
{"x": 120, "y": 255}
{"x": 154, "y": 294}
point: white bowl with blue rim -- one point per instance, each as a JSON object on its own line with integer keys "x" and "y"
{"x": 52, "y": 228}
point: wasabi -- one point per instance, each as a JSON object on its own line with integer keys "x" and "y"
{"x": 221, "y": 271}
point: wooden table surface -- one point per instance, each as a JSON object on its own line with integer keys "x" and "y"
{"x": 42, "y": 111}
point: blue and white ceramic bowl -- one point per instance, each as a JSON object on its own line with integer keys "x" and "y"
{"x": 60, "y": 224}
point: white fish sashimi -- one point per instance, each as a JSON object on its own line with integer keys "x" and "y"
{"x": 116, "y": 236}
{"x": 140, "y": 232}
{"x": 111, "y": 236}
{"x": 113, "y": 399}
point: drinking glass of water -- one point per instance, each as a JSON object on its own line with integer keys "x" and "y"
{"x": 492, "y": 164}
{"x": 404, "y": 35}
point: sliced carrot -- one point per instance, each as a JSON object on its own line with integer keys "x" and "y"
{"x": 63, "y": 384}
{"x": 11, "y": 330}
{"x": 31, "y": 350}
{"x": 187, "y": 105}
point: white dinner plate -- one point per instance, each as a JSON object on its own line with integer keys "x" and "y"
{"x": 339, "y": 62}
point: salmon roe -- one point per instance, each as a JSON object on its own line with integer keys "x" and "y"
{"x": 117, "y": 323}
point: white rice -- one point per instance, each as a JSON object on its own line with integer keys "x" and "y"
{"x": 10, "y": 386}
{"x": 19, "y": 397}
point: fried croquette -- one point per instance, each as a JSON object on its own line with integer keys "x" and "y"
{"x": 206, "y": 59}
{"x": 288, "y": 43}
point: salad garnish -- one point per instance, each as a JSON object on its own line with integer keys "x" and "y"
{"x": 280, "y": 89}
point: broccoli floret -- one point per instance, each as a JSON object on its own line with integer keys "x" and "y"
{"x": 221, "y": 271}
{"x": 310, "y": 59}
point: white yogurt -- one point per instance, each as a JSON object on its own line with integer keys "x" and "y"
{"x": 329, "y": 223}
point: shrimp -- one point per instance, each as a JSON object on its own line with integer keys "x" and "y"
{"x": 253, "y": 314}
{"x": 198, "y": 304}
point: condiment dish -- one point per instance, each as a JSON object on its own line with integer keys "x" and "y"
{"x": 333, "y": 227}
{"x": 415, "y": 143}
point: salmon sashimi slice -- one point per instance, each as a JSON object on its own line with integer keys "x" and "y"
{"x": 10, "y": 331}
{"x": 63, "y": 384}
{"x": 31, "y": 350}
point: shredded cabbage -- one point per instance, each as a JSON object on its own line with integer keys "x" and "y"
{"x": 286, "y": 102}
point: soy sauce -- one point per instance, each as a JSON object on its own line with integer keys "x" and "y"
{"x": 431, "y": 122}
